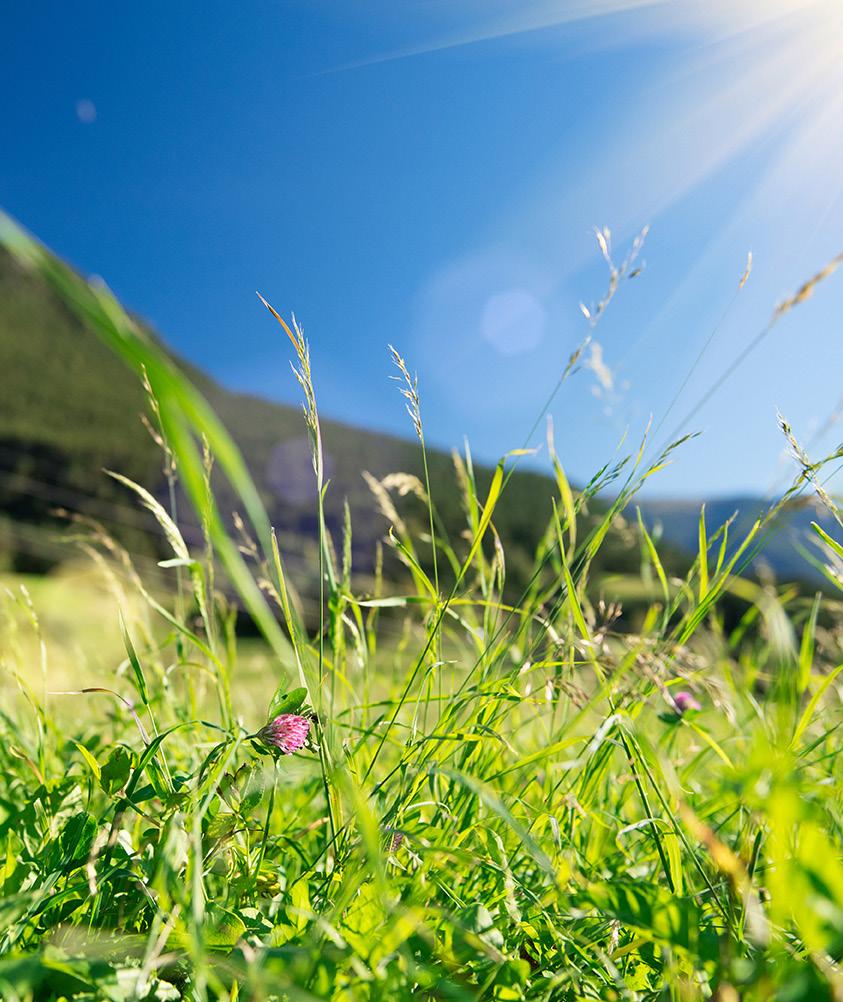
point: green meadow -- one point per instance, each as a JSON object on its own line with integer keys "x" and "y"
{"x": 538, "y": 776}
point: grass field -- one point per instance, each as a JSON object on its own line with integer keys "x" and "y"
{"x": 538, "y": 799}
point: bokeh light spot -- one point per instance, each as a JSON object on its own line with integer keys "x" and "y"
{"x": 86, "y": 111}
{"x": 513, "y": 321}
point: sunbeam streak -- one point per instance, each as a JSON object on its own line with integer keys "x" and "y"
{"x": 780, "y": 59}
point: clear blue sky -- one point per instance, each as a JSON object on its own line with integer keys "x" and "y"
{"x": 428, "y": 173}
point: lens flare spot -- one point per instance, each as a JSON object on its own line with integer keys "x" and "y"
{"x": 86, "y": 111}
{"x": 513, "y": 321}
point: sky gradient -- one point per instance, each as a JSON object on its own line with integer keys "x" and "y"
{"x": 431, "y": 178}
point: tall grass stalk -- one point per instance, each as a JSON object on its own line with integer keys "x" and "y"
{"x": 500, "y": 796}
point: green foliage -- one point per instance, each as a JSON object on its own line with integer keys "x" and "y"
{"x": 500, "y": 798}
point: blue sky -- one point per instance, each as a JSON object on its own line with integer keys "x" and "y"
{"x": 429, "y": 174}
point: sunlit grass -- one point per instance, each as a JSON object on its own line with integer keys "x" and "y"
{"x": 498, "y": 800}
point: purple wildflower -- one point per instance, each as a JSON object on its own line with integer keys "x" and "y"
{"x": 287, "y": 732}
{"x": 684, "y": 701}
{"x": 394, "y": 839}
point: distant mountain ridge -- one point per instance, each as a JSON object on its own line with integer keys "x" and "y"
{"x": 677, "y": 522}
{"x": 71, "y": 408}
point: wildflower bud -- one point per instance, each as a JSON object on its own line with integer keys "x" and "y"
{"x": 287, "y": 732}
{"x": 684, "y": 701}
{"x": 394, "y": 838}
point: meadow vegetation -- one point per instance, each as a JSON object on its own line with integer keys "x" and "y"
{"x": 506, "y": 792}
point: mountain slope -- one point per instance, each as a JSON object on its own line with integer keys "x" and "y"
{"x": 72, "y": 408}
{"x": 677, "y": 523}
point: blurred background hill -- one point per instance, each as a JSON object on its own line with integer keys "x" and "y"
{"x": 72, "y": 410}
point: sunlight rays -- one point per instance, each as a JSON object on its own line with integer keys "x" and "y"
{"x": 716, "y": 120}
{"x": 746, "y": 77}
{"x": 773, "y": 58}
